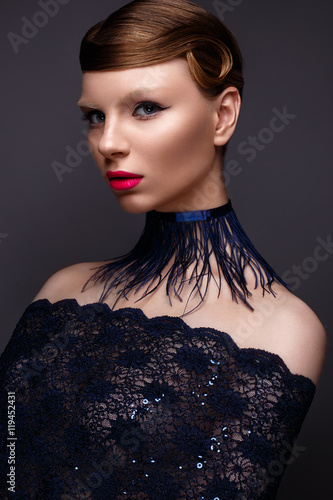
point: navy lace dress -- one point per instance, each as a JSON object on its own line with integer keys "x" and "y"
{"x": 113, "y": 405}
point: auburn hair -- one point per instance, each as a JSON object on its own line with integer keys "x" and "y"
{"x": 147, "y": 32}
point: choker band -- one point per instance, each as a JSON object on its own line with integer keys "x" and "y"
{"x": 174, "y": 242}
{"x": 195, "y": 215}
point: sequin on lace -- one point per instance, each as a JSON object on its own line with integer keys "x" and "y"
{"x": 113, "y": 405}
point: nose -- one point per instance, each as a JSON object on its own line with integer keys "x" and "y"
{"x": 113, "y": 141}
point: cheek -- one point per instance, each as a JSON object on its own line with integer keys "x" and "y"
{"x": 93, "y": 141}
{"x": 195, "y": 139}
{"x": 179, "y": 140}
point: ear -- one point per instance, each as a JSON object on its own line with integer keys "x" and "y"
{"x": 228, "y": 105}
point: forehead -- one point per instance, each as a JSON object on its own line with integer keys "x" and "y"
{"x": 172, "y": 75}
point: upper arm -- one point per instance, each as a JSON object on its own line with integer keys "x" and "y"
{"x": 303, "y": 340}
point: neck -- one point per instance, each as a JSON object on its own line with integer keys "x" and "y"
{"x": 201, "y": 201}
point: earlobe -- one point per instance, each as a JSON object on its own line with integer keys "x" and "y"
{"x": 228, "y": 107}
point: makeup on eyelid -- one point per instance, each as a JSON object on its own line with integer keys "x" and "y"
{"x": 154, "y": 110}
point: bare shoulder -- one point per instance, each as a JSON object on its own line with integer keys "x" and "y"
{"x": 68, "y": 282}
{"x": 297, "y": 335}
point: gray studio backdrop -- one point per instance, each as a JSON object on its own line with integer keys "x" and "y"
{"x": 56, "y": 211}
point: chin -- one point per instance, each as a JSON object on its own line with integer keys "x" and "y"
{"x": 132, "y": 205}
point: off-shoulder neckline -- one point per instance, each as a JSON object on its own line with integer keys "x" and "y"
{"x": 261, "y": 353}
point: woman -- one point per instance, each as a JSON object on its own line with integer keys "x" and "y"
{"x": 135, "y": 377}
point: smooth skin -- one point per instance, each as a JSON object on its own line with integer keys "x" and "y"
{"x": 156, "y": 123}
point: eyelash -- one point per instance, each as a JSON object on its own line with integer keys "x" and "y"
{"x": 147, "y": 104}
{"x": 88, "y": 116}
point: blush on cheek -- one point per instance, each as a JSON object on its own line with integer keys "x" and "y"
{"x": 195, "y": 141}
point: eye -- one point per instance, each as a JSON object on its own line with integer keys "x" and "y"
{"x": 147, "y": 110}
{"x": 94, "y": 117}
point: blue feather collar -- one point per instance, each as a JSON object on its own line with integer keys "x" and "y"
{"x": 187, "y": 239}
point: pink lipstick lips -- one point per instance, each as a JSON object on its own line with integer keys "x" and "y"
{"x": 120, "y": 181}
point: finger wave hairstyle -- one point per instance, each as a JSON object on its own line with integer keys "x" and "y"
{"x": 146, "y": 32}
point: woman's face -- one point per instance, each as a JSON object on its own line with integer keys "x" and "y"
{"x": 152, "y": 135}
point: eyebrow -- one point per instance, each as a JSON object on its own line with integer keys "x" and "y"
{"x": 135, "y": 94}
{"x": 85, "y": 104}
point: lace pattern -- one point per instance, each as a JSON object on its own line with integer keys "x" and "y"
{"x": 113, "y": 405}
